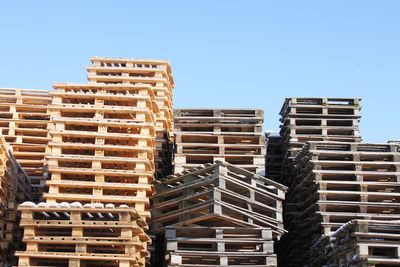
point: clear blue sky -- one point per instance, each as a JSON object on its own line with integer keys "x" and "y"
{"x": 229, "y": 54}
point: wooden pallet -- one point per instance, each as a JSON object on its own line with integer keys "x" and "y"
{"x": 219, "y": 193}
{"x": 321, "y": 107}
{"x": 219, "y": 246}
{"x": 54, "y": 233}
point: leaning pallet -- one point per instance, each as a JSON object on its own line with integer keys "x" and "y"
{"x": 23, "y": 123}
{"x": 219, "y": 246}
{"x": 14, "y": 189}
{"x": 336, "y": 182}
{"x": 218, "y": 194}
{"x": 62, "y": 234}
{"x": 154, "y": 73}
{"x": 207, "y": 135}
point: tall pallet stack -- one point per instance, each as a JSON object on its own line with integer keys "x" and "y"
{"x": 207, "y": 135}
{"x": 74, "y": 235}
{"x": 158, "y": 75}
{"x": 101, "y": 160}
{"x": 336, "y": 182}
{"x": 23, "y": 123}
{"x": 208, "y": 198}
{"x": 316, "y": 119}
{"x": 14, "y": 189}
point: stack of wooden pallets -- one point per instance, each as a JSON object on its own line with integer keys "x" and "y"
{"x": 101, "y": 155}
{"x": 336, "y": 182}
{"x": 75, "y": 235}
{"x": 14, "y": 189}
{"x": 155, "y": 73}
{"x": 219, "y": 246}
{"x": 23, "y": 123}
{"x": 274, "y": 156}
{"x": 366, "y": 243}
{"x": 316, "y": 119}
{"x": 207, "y": 135}
{"x": 217, "y": 195}
{"x": 102, "y": 144}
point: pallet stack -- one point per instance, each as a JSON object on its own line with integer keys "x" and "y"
{"x": 15, "y": 188}
{"x": 274, "y": 156}
{"x": 219, "y": 246}
{"x": 101, "y": 155}
{"x": 23, "y": 123}
{"x": 75, "y": 235}
{"x": 366, "y": 243}
{"x": 316, "y": 119}
{"x": 158, "y": 75}
{"x": 207, "y": 135}
{"x": 336, "y": 182}
{"x": 217, "y": 195}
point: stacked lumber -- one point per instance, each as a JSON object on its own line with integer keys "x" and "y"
{"x": 274, "y": 156}
{"x": 366, "y": 243}
{"x": 336, "y": 182}
{"x": 155, "y": 73}
{"x": 224, "y": 203}
{"x": 62, "y": 234}
{"x": 15, "y": 188}
{"x": 219, "y": 246}
{"x": 316, "y": 119}
{"x": 23, "y": 123}
{"x": 207, "y": 135}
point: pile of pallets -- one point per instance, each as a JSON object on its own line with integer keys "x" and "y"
{"x": 219, "y": 246}
{"x": 316, "y": 119}
{"x": 102, "y": 144}
{"x": 102, "y": 151}
{"x": 366, "y": 243}
{"x": 14, "y": 189}
{"x": 218, "y": 195}
{"x": 74, "y": 235}
{"x": 274, "y": 156}
{"x": 23, "y": 123}
{"x": 207, "y": 135}
{"x": 334, "y": 183}
{"x": 155, "y": 73}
